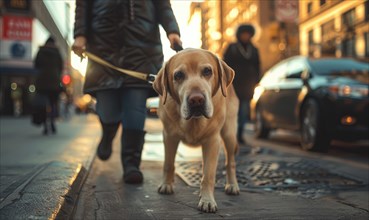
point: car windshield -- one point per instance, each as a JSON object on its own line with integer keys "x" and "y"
{"x": 338, "y": 66}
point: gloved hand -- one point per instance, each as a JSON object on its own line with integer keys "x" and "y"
{"x": 79, "y": 46}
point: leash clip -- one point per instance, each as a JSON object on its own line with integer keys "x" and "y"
{"x": 151, "y": 78}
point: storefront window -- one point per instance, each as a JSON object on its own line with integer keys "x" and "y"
{"x": 311, "y": 42}
{"x": 348, "y": 47}
{"x": 328, "y": 38}
{"x": 348, "y": 18}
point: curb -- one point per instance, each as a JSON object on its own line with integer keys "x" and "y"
{"x": 66, "y": 208}
{"x": 50, "y": 191}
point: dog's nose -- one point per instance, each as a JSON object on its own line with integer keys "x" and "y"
{"x": 196, "y": 99}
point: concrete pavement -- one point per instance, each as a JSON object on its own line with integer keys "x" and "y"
{"x": 274, "y": 185}
{"x": 42, "y": 175}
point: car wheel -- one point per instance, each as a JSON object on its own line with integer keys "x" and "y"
{"x": 313, "y": 135}
{"x": 261, "y": 131}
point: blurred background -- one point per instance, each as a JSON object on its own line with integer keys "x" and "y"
{"x": 284, "y": 28}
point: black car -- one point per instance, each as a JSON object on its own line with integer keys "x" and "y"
{"x": 325, "y": 99}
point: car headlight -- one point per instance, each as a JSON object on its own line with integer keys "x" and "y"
{"x": 355, "y": 91}
{"x": 257, "y": 92}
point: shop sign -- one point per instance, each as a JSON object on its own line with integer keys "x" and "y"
{"x": 16, "y": 37}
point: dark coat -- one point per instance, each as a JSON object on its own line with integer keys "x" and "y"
{"x": 246, "y": 67}
{"x": 49, "y": 64}
{"x": 126, "y": 34}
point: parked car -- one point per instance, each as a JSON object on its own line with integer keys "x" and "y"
{"x": 324, "y": 99}
{"x": 152, "y": 105}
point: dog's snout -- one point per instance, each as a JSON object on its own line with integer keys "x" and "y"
{"x": 196, "y": 99}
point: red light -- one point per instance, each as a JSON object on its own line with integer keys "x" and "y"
{"x": 66, "y": 79}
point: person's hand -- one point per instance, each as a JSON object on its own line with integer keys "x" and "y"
{"x": 79, "y": 45}
{"x": 175, "y": 41}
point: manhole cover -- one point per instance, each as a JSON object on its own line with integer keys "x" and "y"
{"x": 272, "y": 175}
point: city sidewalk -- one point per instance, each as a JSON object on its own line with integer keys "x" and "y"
{"x": 41, "y": 176}
{"x": 274, "y": 185}
{"x": 69, "y": 182}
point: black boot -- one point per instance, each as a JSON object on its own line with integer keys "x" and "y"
{"x": 53, "y": 127}
{"x": 132, "y": 145}
{"x": 105, "y": 146}
{"x": 46, "y": 130}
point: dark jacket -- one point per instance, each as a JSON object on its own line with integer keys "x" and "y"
{"x": 49, "y": 64}
{"x": 126, "y": 34}
{"x": 246, "y": 66}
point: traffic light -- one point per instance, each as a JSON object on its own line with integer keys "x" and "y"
{"x": 66, "y": 79}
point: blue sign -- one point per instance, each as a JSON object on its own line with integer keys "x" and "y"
{"x": 17, "y": 50}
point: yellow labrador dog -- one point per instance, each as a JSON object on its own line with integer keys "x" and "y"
{"x": 198, "y": 106}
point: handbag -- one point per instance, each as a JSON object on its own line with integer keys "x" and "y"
{"x": 39, "y": 106}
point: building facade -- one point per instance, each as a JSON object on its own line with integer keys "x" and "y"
{"x": 24, "y": 27}
{"x": 334, "y": 28}
{"x": 275, "y": 38}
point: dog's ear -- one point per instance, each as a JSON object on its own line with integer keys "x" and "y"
{"x": 161, "y": 83}
{"x": 226, "y": 76}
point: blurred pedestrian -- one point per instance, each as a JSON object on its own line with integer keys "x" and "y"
{"x": 49, "y": 64}
{"x": 243, "y": 57}
{"x": 125, "y": 34}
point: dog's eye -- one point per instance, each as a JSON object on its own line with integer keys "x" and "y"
{"x": 179, "y": 75}
{"x": 207, "y": 71}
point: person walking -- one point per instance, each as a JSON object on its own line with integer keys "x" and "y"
{"x": 125, "y": 34}
{"x": 243, "y": 57}
{"x": 49, "y": 64}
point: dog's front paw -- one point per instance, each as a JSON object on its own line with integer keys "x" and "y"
{"x": 207, "y": 205}
{"x": 165, "y": 188}
{"x": 232, "y": 189}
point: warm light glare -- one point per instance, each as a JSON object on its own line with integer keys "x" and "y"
{"x": 257, "y": 92}
{"x": 216, "y": 35}
{"x": 79, "y": 65}
{"x": 13, "y": 86}
{"x": 234, "y": 13}
{"x": 32, "y": 88}
{"x": 212, "y": 22}
{"x": 348, "y": 120}
{"x": 87, "y": 98}
{"x": 346, "y": 90}
{"x": 253, "y": 8}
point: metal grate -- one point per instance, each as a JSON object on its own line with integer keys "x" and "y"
{"x": 303, "y": 175}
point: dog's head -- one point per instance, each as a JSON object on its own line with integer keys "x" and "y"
{"x": 192, "y": 77}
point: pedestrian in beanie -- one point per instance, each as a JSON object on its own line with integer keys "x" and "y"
{"x": 243, "y": 57}
{"x": 125, "y": 34}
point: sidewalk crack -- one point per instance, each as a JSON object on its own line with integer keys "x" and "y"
{"x": 352, "y": 205}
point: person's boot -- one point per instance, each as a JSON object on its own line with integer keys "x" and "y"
{"x": 132, "y": 145}
{"x": 109, "y": 131}
{"x": 45, "y": 131}
{"x": 53, "y": 127}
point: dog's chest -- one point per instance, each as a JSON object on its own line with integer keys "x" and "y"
{"x": 195, "y": 132}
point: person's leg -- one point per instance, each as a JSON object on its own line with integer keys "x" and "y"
{"x": 53, "y": 99}
{"x": 133, "y": 135}
{"x": 242, "y": 118}
{"x": 108, "y": 109}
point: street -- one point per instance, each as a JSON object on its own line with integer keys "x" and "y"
{"x": 59, "y": 177}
